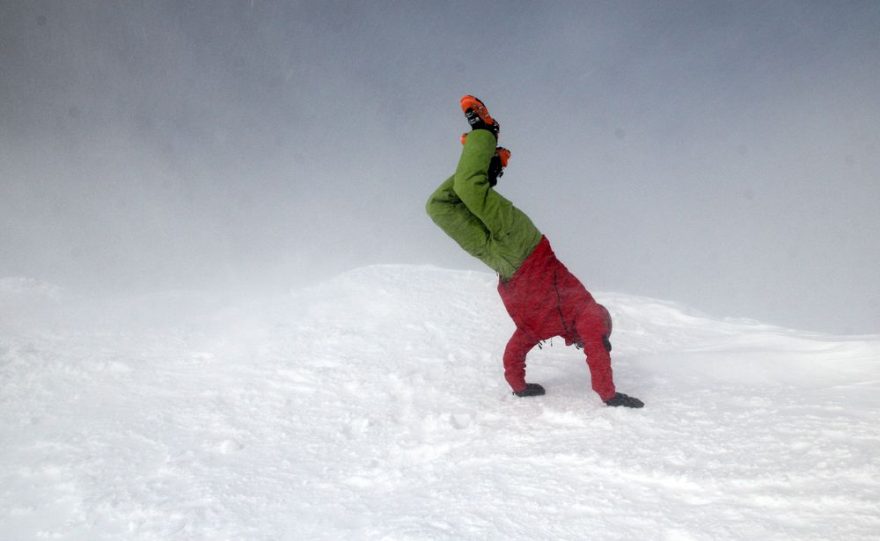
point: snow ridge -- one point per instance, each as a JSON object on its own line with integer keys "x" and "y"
{"x": 373, "y": 406}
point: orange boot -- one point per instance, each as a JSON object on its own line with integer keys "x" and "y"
{"x": 477, "y": 115}
{"x": 497, "y": 165}
{"x": 503, "y": 155}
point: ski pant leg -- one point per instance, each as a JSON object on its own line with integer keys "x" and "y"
{"x": 515, "y": 353}
{"x": 471, "y": 184}
{"x": 448, "y": 211}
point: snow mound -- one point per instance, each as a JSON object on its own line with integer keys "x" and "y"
{"x": 373, "y": 406}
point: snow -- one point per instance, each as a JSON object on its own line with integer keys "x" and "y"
{"x": 373, "y": 406}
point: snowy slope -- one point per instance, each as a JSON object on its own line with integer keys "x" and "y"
{"x": 373, "y": 407}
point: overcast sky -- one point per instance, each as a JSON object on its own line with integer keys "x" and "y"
{"x": 721, "y": 154}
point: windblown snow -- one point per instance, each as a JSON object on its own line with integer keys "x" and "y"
{"x": 373, "y": 407}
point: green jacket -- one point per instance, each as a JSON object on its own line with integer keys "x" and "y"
{"x": 480, "y": 220}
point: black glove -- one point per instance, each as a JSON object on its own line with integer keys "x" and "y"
{"x": 626, "y": 401}
{"x": 532, "y": 389}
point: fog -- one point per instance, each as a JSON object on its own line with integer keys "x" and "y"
{"x": 725, "y": 155}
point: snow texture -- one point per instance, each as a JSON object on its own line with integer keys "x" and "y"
{"x": 373, "y": 407}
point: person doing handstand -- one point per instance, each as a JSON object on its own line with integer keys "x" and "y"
{"x": 542, "y": 297}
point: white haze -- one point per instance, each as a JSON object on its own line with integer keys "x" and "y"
{"x": 724, "y": 155}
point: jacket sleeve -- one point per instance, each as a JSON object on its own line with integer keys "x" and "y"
{"x": 448, "y": 211}
{"x": 515, "y": 353}
{"x": 471, "y": 184}
{"x": 593, "y": 329}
